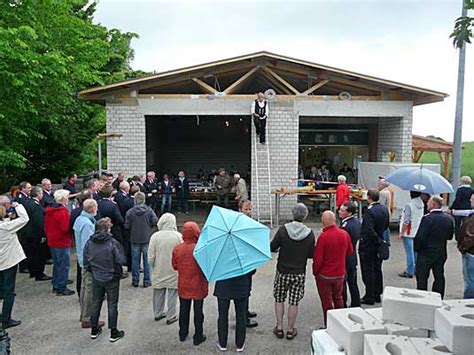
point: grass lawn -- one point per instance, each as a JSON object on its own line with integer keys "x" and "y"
{"x": 467, "y": 159}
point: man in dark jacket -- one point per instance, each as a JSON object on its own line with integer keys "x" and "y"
{"x": 182, "y": 192}
{"x": 23, "y": 198}
{"x": 125, "y": 203}
{"x": 351, "y": 225}
{"x": 103, "y": 257}
{"x": 461, "y": 206}
{"x": 435, "y": 229}
{"x": 167, "y": 189}
{"x": 374, "y": 224}
{"x": 151, "y": 188}
{"x": 35, "y": 237}
{"x": 223, "y": 185}
{"x": 141, "y": 222}
{"x": 295, "y": 243}
{"x": 108, "y": 208}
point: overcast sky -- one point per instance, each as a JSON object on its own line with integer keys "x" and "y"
{"x": 402, "y": 40}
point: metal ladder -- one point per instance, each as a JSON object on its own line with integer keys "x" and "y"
{"x": 266, "y": 153}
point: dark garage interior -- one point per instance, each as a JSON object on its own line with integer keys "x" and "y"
{"x": 191, "y": 143}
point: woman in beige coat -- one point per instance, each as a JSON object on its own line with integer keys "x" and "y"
{"x": 164, "y": 277}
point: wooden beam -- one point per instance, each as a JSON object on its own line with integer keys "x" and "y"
{"x": 315, "y": 87}
{"x": 355, "y": 83}
{"x": 417, "y": 155}
{"x": 240, "y": 81}
{"x": 281, "y": 80}
{"x": 275, "y": 82}
{"x": 252, "y": 96}
{"x": 208, "y": 88}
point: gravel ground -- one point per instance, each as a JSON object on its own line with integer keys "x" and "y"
{"x": 50, "y": 323}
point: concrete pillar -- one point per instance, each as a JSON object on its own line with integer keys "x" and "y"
{"x": 128, "y": 152}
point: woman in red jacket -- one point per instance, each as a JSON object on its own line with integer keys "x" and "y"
{"x": 59, "y": 238}
{"x": 192, "y": 285}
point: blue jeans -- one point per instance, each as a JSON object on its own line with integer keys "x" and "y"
{"x": 410, "y": 253}
{"x": 139, "y": 249}
{"x": 386, "y": 235}
{"x": 60, "y": 267}
{"x": 468, "y": 273}
{"x": 166, "y": 203}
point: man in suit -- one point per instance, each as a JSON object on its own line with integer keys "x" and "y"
{"x": 182, "y": 192}
{"x": 374, "y": 224}
{"x": 35, "y": 237}
{"x": 125, "y": 202}
{"x": 48, "y": 195}
{"x": 23, "y": 198}
{"x": 120, "y": 178}
{"x": 435, "y": 229}
{"x": 110, "y": 209}
{"x": 24, "y": 194}
{"x": 93, "y": 186}
{"x": 351, "y": 225}
{"x": 151, "y": 189}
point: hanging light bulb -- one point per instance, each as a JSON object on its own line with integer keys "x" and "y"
{"x": 227, "y": 123}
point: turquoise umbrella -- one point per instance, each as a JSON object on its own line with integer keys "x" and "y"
{"x": 231, "y": 244}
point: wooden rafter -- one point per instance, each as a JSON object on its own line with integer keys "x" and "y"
{"x": 417, "y": 155}
{"x": 315, "y": 87}
{"x": 232, "y": 87}
{"x": 276, "y": 83}
{"x": 281, "y": 80}
{"x": 208, "y": 88}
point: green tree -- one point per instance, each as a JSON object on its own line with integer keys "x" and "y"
{"x": 462, "y": 32}
{"x": 49, "y": 50}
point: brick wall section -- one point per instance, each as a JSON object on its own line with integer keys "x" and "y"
{"x": 126, "y": 153}
{"x": 395, "y": 133}
{"x": 282, "y": 140}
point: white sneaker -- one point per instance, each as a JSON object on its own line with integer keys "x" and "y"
{"x": 240, "y": 350}
{"x": 219, "y": 346}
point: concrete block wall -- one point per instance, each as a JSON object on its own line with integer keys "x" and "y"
{"x": 127, "y": 153}
{"x": 395, "y": 133}
{"x": 283, "y": 141}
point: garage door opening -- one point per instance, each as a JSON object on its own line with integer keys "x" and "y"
{"x": 198, "y": 144}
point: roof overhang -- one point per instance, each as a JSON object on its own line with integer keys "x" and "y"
{"x": 276, "y": 65}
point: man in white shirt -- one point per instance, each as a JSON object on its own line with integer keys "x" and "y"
{"x": 259, "y": 112}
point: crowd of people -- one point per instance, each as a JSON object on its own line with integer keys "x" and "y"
{"x": 116, "y": 225}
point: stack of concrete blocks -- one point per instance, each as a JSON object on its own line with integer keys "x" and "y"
{"x": 397, "y": 328}
{"x": 454, "y": 326}
{"x": 348, "y": 327}
{"x": 388, "y": 344}
{"x": 322, "y": 343}
{"x": 411, "y": 308}
{"x": 428, "y": 346}
{"x": 410, "y": 322}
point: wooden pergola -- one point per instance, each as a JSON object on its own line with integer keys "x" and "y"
{"x": 423, "y": 144}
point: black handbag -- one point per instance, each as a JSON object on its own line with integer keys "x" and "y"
{"x": 383, "y": 250}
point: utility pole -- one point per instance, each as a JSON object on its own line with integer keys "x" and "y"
{"x": 457, "y": 141}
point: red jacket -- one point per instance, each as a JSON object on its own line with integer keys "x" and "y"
{"x": 56, "y": 226}
{"x": 342, "y": 194}
{"x": 332, "y": 247}
{"x": 192, "y": 283}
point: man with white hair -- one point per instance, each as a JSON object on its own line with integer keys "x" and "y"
{"x": 48, "y": 197}
{"x": 385, "y": 199}
{"x": 241, "y": 193}
{"x": 93, "y": 186}
{"x": 59, "y": 238}
{"x": 342, "y": 191}
{"x": 84, "y": 228}
{"x": 295, "y": 245}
